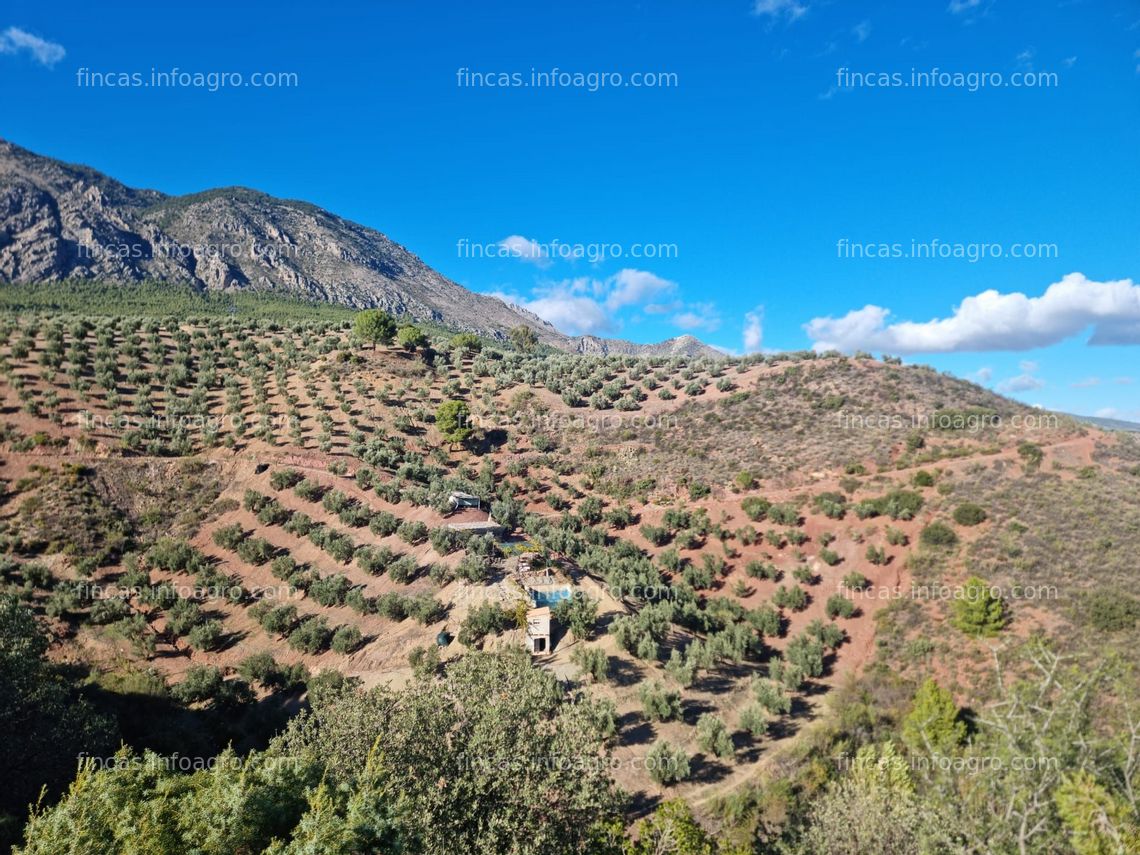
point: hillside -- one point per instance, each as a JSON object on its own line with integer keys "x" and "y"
{"x": 225, "y": 515}
{"x": 60, "y": 221}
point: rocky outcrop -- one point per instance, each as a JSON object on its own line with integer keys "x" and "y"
{"x": 60, "y": 221}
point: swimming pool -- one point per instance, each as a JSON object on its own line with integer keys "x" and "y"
{"x": 549, "y": 598}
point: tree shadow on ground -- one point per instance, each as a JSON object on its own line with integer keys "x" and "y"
{"x": 635, "y": 729}
{"x": 641, "y": 804}
{"x": 694, "y": 708}
{"x": 623, "y": 672}
{"x": 706, "y": 769}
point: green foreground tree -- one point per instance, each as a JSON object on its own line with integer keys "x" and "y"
{"x": 411, "y": 338}
{"x": 524, "y": 338}
{"x": 46, "y": 724}
{"x": 453, "y": 421}
{"x": 491, "y": 757}
{"x": 374, "y": 326}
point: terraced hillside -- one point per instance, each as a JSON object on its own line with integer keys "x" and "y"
{"x": 229, "y": 517}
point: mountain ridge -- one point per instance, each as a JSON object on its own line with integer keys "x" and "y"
{"x": 68, "y": 221}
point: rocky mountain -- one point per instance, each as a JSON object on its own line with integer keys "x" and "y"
{"x": 63, "y": 221}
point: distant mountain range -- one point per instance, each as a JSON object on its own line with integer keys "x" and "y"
{"x": 1108, "y": 424}
{"x": 62, "y": 221}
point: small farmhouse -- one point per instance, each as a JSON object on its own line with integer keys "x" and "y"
{"x": 538, "y": 630}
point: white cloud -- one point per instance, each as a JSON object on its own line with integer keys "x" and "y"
{"x": 568, "y": 312}
{"x": 525, "y": 249}
{"x": 957, "y": 7}
{"x": 698, "y": 316}
{"x": 862, "y": 30}
{"x": 754, "y": 330}
{"x": 790, "y": 9}
{"x": 589, "y": 306}
{"x": 14, "y": 40}
{"x": 1123, "y": 381}
{"x": 1023, "y": 382}
{"x": 995, "y": 321}
{"x": 630, "y": 287}
{"x": 984, "y": 374}
{"x": 1020, "y": 383}
{"x": 1087, "y": 383}
{"x": 1025, "y": 59}
{"x": 1117, "y": 413}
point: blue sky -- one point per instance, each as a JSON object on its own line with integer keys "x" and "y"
{"x": 764, "y": 176}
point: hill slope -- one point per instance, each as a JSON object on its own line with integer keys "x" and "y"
{"x": 61, "y": 221}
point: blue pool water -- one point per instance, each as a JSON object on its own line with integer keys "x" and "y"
{"x": 549, "y": 598}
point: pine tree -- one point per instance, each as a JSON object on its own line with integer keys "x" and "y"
{"x": 979, "y": 610}
{"x": 933, "y": 724}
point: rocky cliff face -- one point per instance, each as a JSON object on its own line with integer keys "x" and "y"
{"x": 61, "y": 221}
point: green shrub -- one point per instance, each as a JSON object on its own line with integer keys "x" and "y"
{"x": 284, "y": 479}
{"x": 755, "y": 508}
{"x": 183, "y": 616}
{"x": 938, "y": 534}
{"x": 201, "y": 683}
{"x": 897, "y": 537}
{"x": 1109, "y": 611}
{"x": 207, "y": 635}
{"x": 312, "y": 635}
{"x": 263, "y": 670}
{"x": 660, "y": 703}
{"x": 712, "y": 736}
{"x": 483, "y": 620}
{"x": 592, "y": 662}
{"x": 228, "y": 537}
{"x": 771, "y": 697}
{"x": 979, "y": 610}
{"x": 283, "y": 567}
{"x": 754, "y": 720}
{"x": 934, "y": 723}
{"x": 346, "y": 639}
{"x": 784, "y": 514}
{"x": 968, "y": 513}
{"x": 579, "y": 614}
{"x": 279, "y": 620}
{"x": 804, "y": 575}
{"x": 744, "y": 480}
{"x": 1031, "y": 454}
{"x": 806, "y": 653}
{"x": 762, "y": 570}
{"x": 255, "y": 550}
{"x": 403, "y": 569}
{"x": 794, "y": 598}
{"x": 765, "y": 620}
{"x": 839, "y": 606}
{"x": 330, "y": 590}
{"x": 374, "y": 559}
{"x": 831, "y": 505}
{"x": 383, "y": 523}
{"x": 412, "y": 532}
{"x": 109, "y": 610}
{"x": 680, "y": 668}
{"x": 656, "y": 535}
{"x": 667, "y": 764}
